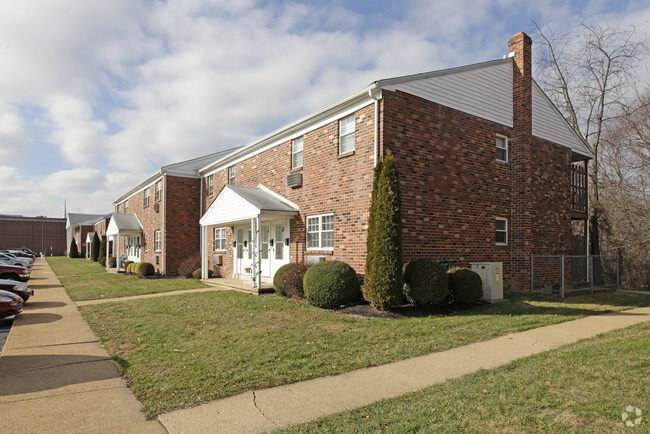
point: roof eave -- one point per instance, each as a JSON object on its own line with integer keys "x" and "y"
{"x": 151, "y": 178}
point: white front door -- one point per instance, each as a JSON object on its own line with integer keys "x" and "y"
{"x": 280, "y": 249}
{"x": 242, "y": 250}
{"x": 265, "y": 254}
{"x": 274, "y": 248}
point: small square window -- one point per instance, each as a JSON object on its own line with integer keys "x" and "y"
{"x": 502, "y": 148}
{"x": 210, "y": 185}
{"x": 231, "y": 175}
{"x": 346, "y": 134}
{"x": 296, "y": 152}
{"x": 501, "y": 231}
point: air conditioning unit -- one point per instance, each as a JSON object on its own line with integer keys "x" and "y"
{"x": 156, "y": 259}
{"x": 217, "y": 259}
{"x": 492, "y": 277}
{"x": 156, "y": 207}
{"x": 294, "y": 180}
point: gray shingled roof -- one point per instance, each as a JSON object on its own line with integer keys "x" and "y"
{"x": 82, "y": 219}
{"x": 127, "y": 222}
{"x": 261, "y": 199}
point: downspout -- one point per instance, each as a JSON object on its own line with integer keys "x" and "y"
{"x": 375, "y": 93}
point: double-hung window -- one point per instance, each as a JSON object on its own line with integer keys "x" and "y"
{"x": 126, "y": 207}
{"x": 231, "y": 175}
{"x": 219, "y": 239}
{"x": 158, "y": 190}
{"x": 501, "y": 231}
{"x": 296, "y": 152}
{"x": 118, "y": 209}
{"x": 157, "y": 242}
{"x": 320, "y": 232}
{"x": 146, "y": 197}
{"x": 346, "y": 134}
{"x": 502, "y": 148}
{"x": 210, "y": 185}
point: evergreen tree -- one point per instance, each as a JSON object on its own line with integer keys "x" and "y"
{"x": 74, "y": 253}
{"x": 383, "y": 286}
{"x": 102, "y": 252}
{"x": 94, "y": 251}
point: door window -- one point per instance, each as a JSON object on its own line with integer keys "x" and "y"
{"x": 264, "y": 254}
{"x": 279, "y": 241}
{"x": 240, "y": 243}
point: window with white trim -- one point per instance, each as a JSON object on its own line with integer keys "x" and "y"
{"x": 296, "y": 152}
{"x": 219, "y": 242}
{"x": 210, "y": 185}
{"x": 502, "y": 148}
{"x": 144, "y": 241}
{"x": 231, "y": 175}
{"x": 320, "y": 232}
{"x": 158, "y": 190}
{"x": 501, "y": 231}
{"x": 126, "y": 207}
{"x": 118, "y": 209}
{"x": 157, "y": 242}
{"x": 146, "y": 197}
{"x": 346, "y": 134}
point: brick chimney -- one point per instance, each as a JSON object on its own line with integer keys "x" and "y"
{"x": 521, "y": 160}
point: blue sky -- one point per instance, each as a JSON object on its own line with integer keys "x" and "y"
{"x": 96, "y": 95}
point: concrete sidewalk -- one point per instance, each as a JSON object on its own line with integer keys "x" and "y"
{"x": 54, "y": 374}
{"x": 283, "y": 406}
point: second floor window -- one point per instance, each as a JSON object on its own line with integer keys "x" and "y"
{"x": 346, "y": 134}
{"x": 502, "y": 149}
{"x": 231, "y": 175}
{"x": 158, "y": 195}
{"x": 296, "y": 152}
{"x": 157, "y": 242}
{"x": 146, "y": 197}
{"x": 210, "y": 185}
{"x": 126, "y": 207}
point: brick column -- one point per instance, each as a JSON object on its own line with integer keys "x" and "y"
{"x": 521, "y": 221}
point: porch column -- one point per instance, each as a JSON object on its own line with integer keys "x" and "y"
{"x": 204, "y": 252}
{"x": 108, "y": 252}
{"x": 117, "y": 252}
{"x": 258, "y": 248}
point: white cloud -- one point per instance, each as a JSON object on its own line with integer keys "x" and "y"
{"x": 14, "y": 139}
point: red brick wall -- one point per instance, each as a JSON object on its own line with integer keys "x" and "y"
{"x": 47, "y": 235}
{"x": 181, "y": 238}
{"x": 331, "y": 184}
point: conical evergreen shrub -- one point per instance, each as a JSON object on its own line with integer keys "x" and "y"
{"x": 383, "y": 285}
{"x": 74, "y": 253}
{"x": 102, "y": 251}
{"x": 94, "y": 250}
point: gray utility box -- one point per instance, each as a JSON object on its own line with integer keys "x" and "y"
{"x": 492, "y": 276}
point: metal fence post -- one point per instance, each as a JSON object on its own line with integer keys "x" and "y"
{"x": 562, "y": 285}
{"x": 532, "y": 273}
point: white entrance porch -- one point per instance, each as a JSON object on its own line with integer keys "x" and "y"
{"x": 260, "y": 220}
{"x": 124, "y": 225}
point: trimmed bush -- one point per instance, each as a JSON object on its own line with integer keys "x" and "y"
{"x": 277, "y": 279}
{"x": 187, "y": 267}
{"x": 73, "y": 253}
{"x": 425, "y": 282}
{"x": 94, "y": 248}
{"x": 331, "y": 284}
{"x": 143, "y": 269}
{"x": 292, "y": 280}
{"x": 383, "y": 286}
{"x": 128, "y": 267}
{"x": 465, "y": 285}
{"x": 102, "y": 252}
{"x": 112, "y": 262}
{"x": 197, "y": 274}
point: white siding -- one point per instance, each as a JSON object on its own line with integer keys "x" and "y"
{"x": 228, "y": 207}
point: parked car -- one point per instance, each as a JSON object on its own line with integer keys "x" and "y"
{"x": 14, "y": 260}
{"x": 13, "y": 272}
{"x": 10, "y": 304}
{"x": 21, "y": 254}
{"x": 18, "y": 288}
{"x": 24, "y": 250}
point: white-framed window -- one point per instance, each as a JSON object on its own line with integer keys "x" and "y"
{"x": 144, "y": 241}
{"x": 118, "y": 209}
{"x": 346, "y": 134}
{"x": 146, "y": 197}
{"x": 210, "y": 185}
{"x": 231, "y": 175}
{"x": 296, "y": 152}
{"x": 502, "y": 148}
{"x": 157, "y": 242}
{"x": 501, "y": 231}
{"x": 126, "y": 207}
{"x": 219, "y": 242}
{"x": 320, "y": 232}
{"x": 158, "y": 194}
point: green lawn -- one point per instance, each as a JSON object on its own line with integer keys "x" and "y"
{"x": 179, "y": 351}
{"x": 584, "y": 387}
{"x": 87, "y": 280}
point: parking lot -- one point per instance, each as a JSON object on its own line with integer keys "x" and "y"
{"x": 5, "y": 326}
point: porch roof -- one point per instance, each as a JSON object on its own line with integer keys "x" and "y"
{"x": 236, "y": 203}
{"x": 89, "y": 237}
{"x": 124, "y": 224}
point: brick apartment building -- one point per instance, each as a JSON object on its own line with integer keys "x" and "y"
{"x": 80, "y": 227}
{"x": 39, "y": 234}
{"x": 490, "y": 171}
{"x": 157, "y": 220}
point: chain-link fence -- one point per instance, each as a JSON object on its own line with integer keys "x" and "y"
{"x": 566, "y": 274}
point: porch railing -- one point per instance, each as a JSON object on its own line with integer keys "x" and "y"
{"x": 578, "y": 188}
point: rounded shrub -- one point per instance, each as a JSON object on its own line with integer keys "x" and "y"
{"x": 277, "y": 279}
{"x": 465, "y": 285}
{"x": 425, "y": 281}
{"x": 197, "y": 274}
{"x": 292, "y": 280}
{"x": 143, "y": 269}
{"x": 128, "y": 267}
{"x": 187, "y": 267}
{"x": 331, "y": 284}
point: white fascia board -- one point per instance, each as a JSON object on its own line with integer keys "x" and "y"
{"x": 334, "y": 111}
{"x": 151, "y": 180}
